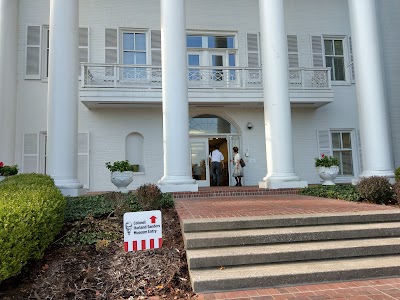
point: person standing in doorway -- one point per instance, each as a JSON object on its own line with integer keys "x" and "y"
{"x": 238, "y": 170}
{"x": 217, "y": 160}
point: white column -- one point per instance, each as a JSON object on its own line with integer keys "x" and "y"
{"x": 277, "y": 114}
{"x": 177, "y": 170}
{"x": 376, "y": 143}
{"x": 62, "y": 115}
{"x": 8, "y": 78}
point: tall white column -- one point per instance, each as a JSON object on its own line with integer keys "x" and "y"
{"x": 277, "y": 114}
{"x": 376, "y": 143}
{"x": 177, "y": 170}
{"x": 62, "y": 115}
{"x": 8, "y": 78}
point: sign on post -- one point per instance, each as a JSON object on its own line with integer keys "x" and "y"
{"x": 142, "y": 230}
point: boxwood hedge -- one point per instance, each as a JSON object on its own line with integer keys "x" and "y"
{"x": 31, "y": 215}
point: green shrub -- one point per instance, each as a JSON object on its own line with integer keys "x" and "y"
{"x": 149, "y": 196}
{"x": 397, "y": 174}
{"x": 344, "y": 192}
{"x": 98, "y": 206}
{"x": 396, "y": 188}
{"x": 376, "y": 189}
{"x": 167, "y": 200}
{"x": 120, "y": 166}
{"x": 31, "y": 215}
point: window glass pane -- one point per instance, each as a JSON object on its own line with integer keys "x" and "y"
{"x": 329, "y": 64}
{"x": 194, "y": 41}
{"x": 336, "y": 140}
{"x": 194, "y": 60}
{"x": 218, "y": 42}
{"x": 339, "y": 68}
{"x": 328, "y": 47}
{"x": 347, "y": 163}
{"x": 217, "y": 60}
{"x": 210, "y": 124}
{"x": 129, "y": 58}
{"x": 338, "y": 47}
{"x": 346, "y": 140}
{"x": 128, "y": 41}
{"x": 231, "y": 59}
{"x": 231, "y": 42}
{"x": 140, "y": 41}
{"x": 140, "y": 58}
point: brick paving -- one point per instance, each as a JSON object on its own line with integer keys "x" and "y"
{"x": 247, "y": 201}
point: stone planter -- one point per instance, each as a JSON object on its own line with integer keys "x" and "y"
{"x": 121, "y": 180}
{"x": 2, "y": 177}
{"x": 328, "y": 174}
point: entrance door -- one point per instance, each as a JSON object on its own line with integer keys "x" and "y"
{"x": 199, "y": 161}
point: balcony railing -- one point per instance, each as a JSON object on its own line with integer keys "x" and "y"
{"x": 144, "y": 76}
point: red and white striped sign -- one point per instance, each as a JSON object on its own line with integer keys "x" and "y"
{"x": 142, "y": 230}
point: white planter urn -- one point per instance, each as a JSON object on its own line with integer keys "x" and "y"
{"x": 2, "y": 177}
{"x": 121, "y": 180}
{"x": 328, "y": 174}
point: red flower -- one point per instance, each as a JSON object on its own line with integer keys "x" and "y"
{"x": 323, "y": 155}
{"x": 1, "y": 164}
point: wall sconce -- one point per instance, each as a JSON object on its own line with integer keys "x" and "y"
{"x": 249, "y": 125}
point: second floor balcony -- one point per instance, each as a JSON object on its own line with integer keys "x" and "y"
{"x": 108, "y": 83}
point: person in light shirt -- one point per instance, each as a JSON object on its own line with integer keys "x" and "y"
{"x": 217, "y": 160}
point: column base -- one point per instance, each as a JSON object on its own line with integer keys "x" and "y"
{"x": 282, "y": 184}
{"x": 70, "y": 187}
{"x": 171, "y": 188}
{"x": 73, "y": 192}
{"x": 169, "y": 184}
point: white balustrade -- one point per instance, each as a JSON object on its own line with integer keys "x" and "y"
{"x": 145, "y": 76}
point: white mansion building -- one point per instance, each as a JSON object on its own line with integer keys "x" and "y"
{"x": 162, "y": 82}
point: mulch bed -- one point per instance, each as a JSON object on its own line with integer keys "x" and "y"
{"x": 105, "y": 271}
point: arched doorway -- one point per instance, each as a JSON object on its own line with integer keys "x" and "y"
{"x": 207, "y": 131}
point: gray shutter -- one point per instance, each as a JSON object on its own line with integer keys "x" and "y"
{"x": 324, "y": 143}
{"x": 353, "y": 77}
{"x": 83, "y": 159}
{"x": 317, "y": 51}
{"x": 33, "y": 48}
{"x": 111, "y": 46}
{"x": 30, "y": 160}
{"x": 360, "y": 158}
{"x": 83, "y": 45}
{"x": 293, "y": 51}
{"x": 253, "y": 53}
{"x": 156, "y": 48}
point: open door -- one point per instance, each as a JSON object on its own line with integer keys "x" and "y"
{"x": 234, "y": 141}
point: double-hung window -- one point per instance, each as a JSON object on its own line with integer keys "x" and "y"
{"x": 334, "y": 58}
{"x": 134, "y": 52}
{"x": 342, "y": 149}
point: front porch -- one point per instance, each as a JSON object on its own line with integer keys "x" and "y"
{"x": 276, "y": 244}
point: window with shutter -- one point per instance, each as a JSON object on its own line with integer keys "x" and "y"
{"x": 30, "y": 159}
{"x": 293, "y": 51}
{"x": 334, "y": 58}
{"x": 33, "y": 48}
{"x": 339, "y": 144}
{"x": 83, "y": 48}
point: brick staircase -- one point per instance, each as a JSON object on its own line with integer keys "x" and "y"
{"x": 259, "y": 252}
